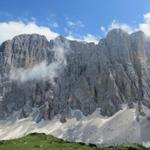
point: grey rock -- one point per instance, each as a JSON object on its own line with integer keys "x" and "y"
{"x": 105, "y": 76}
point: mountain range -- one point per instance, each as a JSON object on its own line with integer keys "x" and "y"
{"x": 78, "y": 91}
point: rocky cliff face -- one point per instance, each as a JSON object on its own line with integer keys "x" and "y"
{"x": 60, "y": 75}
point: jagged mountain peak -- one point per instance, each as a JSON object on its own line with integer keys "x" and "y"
{"x": 29, "y": 37}
{"x": 138, "y": 33}
{"x": 117, "y": 33}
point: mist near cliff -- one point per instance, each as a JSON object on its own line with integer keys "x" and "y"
{"x": 43, "y": 70}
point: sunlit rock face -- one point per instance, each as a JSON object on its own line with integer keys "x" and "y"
{"x": 60, "y": 75}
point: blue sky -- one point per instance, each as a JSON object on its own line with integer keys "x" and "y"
{"x": 75, "y": 17}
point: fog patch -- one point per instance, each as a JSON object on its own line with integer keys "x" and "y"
{"x": 43, "y": 70}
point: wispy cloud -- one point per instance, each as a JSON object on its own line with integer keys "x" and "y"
{"x": 75, "y": 23}
{"x": 73, "y": 26}
{"x": 85, "y": 38}
{"x": 43, "y": 70}
{"x": 73, "y": 29}
{"x": 52, "y": 21}
{"x": 91, "y": 38}
{"x": 103, "y": 29}
{"x": 55, "y": 24}
{"x": 6, "y": 15}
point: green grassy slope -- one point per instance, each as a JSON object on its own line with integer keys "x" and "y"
{"x": 37, "y": 141}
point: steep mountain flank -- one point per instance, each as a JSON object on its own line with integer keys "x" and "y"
{"x": 60, "y": 75}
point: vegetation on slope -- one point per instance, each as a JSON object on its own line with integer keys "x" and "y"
{"x": 37, "y": 141}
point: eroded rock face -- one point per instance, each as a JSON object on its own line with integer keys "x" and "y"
{"x": 89, "y": 76}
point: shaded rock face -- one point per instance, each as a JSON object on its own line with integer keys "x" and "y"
{"x": 87, "y": 76}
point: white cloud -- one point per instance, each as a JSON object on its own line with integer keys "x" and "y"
{"x": 147, "y": 18}
{"x": 55, "y": 25}
{"x": 86, "y": 38}
{"x": 75, "y": 23}
{"x": 103, "y": 29}
{"x": 13, "y": 28}
{"x": 145, "y": 26}
{"x": 117, "y": 25}
{"x": 73, "y": 29}
{"x": 70, "y": 23}
{"x": 91, "y": 38}
{"x": 10, "y": 29}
